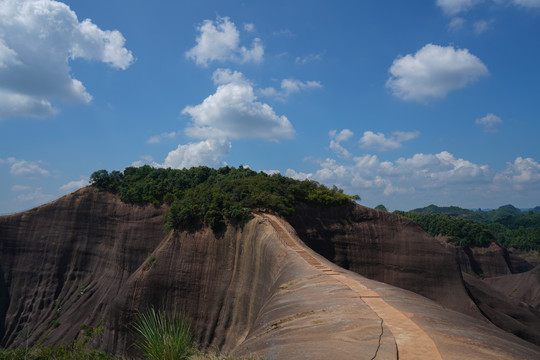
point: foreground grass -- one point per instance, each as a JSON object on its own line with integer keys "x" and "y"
{"x": 164, "y": 336}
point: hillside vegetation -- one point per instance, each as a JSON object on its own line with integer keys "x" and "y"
{"x": 507, "y": 225}
{"x": 204, "y": 196}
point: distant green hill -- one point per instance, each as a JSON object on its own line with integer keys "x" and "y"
{"x": 508, "y": 225}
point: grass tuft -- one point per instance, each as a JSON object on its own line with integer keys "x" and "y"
{"x": 164, "y": 336}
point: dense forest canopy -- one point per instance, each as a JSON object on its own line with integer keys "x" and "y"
{"x": 506, "y": 225}
{"x": 203, "y": 195}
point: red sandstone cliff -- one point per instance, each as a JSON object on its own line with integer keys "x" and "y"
{"x": 85, "y": 258}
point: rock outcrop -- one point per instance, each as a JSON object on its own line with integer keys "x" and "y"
{"x": 252, "y": 290}
{"x": 63, "y": 263}
{"x": 387, "y": 248}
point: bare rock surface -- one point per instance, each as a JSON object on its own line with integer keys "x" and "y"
{"x": 253, "y": 290}
{"x": 523, "y": 287}
{"x": 388, "y": 248}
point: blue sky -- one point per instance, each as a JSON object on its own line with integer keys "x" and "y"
{"x": 403, "y": 103}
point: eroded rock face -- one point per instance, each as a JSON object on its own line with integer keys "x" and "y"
{"x": 89, "y": 258}
{"x": 64, "y": 262}
{"x": 510, "y": 302}
{"x": 385, "y": 247}
{"x": 493, "y": 260}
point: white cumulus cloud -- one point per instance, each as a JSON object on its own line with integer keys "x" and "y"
{"x": 336, "y": 139}
{"x": 220, "y": 41}
{"x": 421, "y": 177}
{"x": 210, "y": 152}
{"x": 433, "y": 72}
{"x": 233, "y": 112}
{"x": 298, "y": 175}
{"x": 380, "y": 142}
{"x": 489, "y": 122}
{"x": 522, "y": 173}
{"x": 37, "y": 40}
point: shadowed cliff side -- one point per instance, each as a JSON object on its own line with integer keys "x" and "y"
{"x": 385, "y": 247}
{"x": 64, "y": 262}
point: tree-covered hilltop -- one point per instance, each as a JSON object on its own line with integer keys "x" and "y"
{"x": 202, "y": 195}
{"x": 460, "y": 231}
{"x": 507, "y": 225}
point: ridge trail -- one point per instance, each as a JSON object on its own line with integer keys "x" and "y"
{"x": 412, "y": 342}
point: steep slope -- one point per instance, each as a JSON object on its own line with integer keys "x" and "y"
{"x": 385, "y": 247}
{"x": 64, "y": 262}
{"x": 492, "y": 260}
{"x": 523, "y": 287}
{"x": 252, "y": 290}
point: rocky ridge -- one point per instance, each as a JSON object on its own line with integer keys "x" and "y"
{"x": 88, "y": 257}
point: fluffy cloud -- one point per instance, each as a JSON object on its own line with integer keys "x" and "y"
{"x": 421, "y": 179}
{"x": 336, "y": 139}
{"x": 290, "y": 86}
{"x": 220, "y": 41}
{"x": 298, "y": 175}
{"x": 380, "y": 142}
{"x": 453, "y": 7}
{"x": 74, "y": 185}
{"x": 23, "y": 168}
{"x": 209, "y": 152}
{"x": 271, "y": 172}
{"x": 14, "y": 104}
{"x": 422, "y": 176}
{"x": 433, "y": 72}
{"x": 521, "y": 174}
{"x": 233, "y": 112}
{"x": 440, "y": 169}
{"x": 489, "y": 122}
{"x": 37, "y": 40}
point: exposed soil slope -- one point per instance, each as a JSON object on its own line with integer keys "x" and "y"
{"x": 252, "y": 290}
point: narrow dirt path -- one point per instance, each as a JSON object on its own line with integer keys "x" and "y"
{"x": 411, "y": 340}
